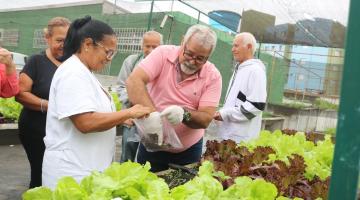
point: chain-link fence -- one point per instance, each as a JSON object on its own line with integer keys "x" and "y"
{"x": 303, "y": 73}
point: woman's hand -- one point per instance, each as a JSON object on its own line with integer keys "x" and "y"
{"x": 6, "y": 58}
{"x": 139, "y": 111}
{"x": 128, "y": 123}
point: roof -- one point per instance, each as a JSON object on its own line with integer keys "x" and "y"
{"x": 314, "y": 18}
{"x": 286, "y": 11}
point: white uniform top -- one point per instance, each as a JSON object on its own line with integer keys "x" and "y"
{"x": 74, "y": 89}
{"x": 244, "y": 102}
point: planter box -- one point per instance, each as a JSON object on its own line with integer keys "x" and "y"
{"x": 305, "y": 119}
{"x": 9, "y": 134}
{"x": 272, "y": 123}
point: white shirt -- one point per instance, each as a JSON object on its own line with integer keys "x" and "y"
{"x": 244, "y": 103}
{"x": 74, "y": 90}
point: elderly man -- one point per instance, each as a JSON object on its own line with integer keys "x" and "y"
{"x": 130, "y": 138}
{"x": 9, "y": 83}
{"x": 246, "y": 95}
{"x": 185, "y": 88}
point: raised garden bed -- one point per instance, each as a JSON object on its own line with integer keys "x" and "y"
{"x": 9, "y": 134}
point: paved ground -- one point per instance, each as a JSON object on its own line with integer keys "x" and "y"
{"x": 14, "y": 172}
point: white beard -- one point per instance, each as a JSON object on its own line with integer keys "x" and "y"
{"x": 188, "y": 69}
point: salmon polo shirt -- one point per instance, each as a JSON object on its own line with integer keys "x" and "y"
{"x": 200, "y": 90}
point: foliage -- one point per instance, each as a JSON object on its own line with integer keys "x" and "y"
{"x": 116, "y": 101}
{"x": 206, "y": 186}
{"x": 296, "y": 105}
{"x": 267, "y": 114}
{"x": 297, "y": 167}
{"x": 262, "y": 169}
{"x": 325, "y": 105}
{"x": 330, "y": 131}
{"x": 318, "y": 157}
{"x": 9, "y": 108}
{"x": 127, "y": 181}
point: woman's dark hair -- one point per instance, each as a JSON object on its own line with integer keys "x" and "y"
{"x": 81, "y": 29}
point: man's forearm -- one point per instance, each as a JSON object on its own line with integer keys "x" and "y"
{"x": 199, "y": 119}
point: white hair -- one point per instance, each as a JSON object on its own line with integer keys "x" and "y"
{"x": 248, "y": 38}
{"x": 203, "y": 34}
{"x": 152, "y": 33}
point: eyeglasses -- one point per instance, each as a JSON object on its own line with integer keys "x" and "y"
{"x": 109, "y": 53}
{"x": 198, "y": 59}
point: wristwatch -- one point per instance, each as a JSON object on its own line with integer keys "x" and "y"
{"x": 186, "y": 116}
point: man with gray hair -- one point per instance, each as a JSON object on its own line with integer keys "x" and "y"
{"x": 130, "y": 137}
{"x": 185, "y": 90}
{"x": 246, "y": 95}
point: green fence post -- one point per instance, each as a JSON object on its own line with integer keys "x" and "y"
{"x": 345, "y": 168}
{"x": 150, "y": 15}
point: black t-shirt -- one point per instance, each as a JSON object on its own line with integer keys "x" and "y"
{"x": 41, "y": 70}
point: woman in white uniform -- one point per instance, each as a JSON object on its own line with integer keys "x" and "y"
{"x": 81, "y": 118}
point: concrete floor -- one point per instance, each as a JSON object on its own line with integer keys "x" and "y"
{"x": 14, "y": 172}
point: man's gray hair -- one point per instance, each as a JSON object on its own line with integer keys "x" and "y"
{"x": 248, "y": 38}
{"x": 203, "y": 34}
{"x": 152, "y": 33}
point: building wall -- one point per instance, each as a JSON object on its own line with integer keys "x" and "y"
{"x": 333, "y": 73}
{"x": 27, "y": 21}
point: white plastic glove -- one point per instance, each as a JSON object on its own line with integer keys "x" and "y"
{"x": 174, "y": 114}
{"x": 152, "y": 127}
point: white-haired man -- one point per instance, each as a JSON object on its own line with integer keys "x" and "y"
{"x": 130, "y": 137}
{"x": 246, "y": 95}
{"x": 185, "y": 88}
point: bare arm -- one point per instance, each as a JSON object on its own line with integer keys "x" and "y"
{"x": 95, "y": 121}
{"x": 201, "y": 118}
{"x": 28, "y": 99}
{"x": 136, "y": 88}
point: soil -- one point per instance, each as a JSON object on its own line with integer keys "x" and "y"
{"x": 176, "y": 177}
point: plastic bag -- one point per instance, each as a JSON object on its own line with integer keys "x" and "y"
{"x": 213, "y": 130}
{"x": 132, "y": 134}
{"x": 163, "y": 141}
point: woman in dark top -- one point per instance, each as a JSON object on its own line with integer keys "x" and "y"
{"x": 35, "y": 80}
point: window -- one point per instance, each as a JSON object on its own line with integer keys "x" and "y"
{"x": 9, "y": 37}
{"x": 129, "y": 39}
{"x": 39, "y": 39}
{"x": 337, "y": 53}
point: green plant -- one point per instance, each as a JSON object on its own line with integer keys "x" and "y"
{"x": 296, "y": 105}
{"x": 116, "y": 101}
{"x": 330, "y": 131}
{"x": 325, "y": 105}
{"x": 267, "y": 114}
{"x": 9, "y": 108}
